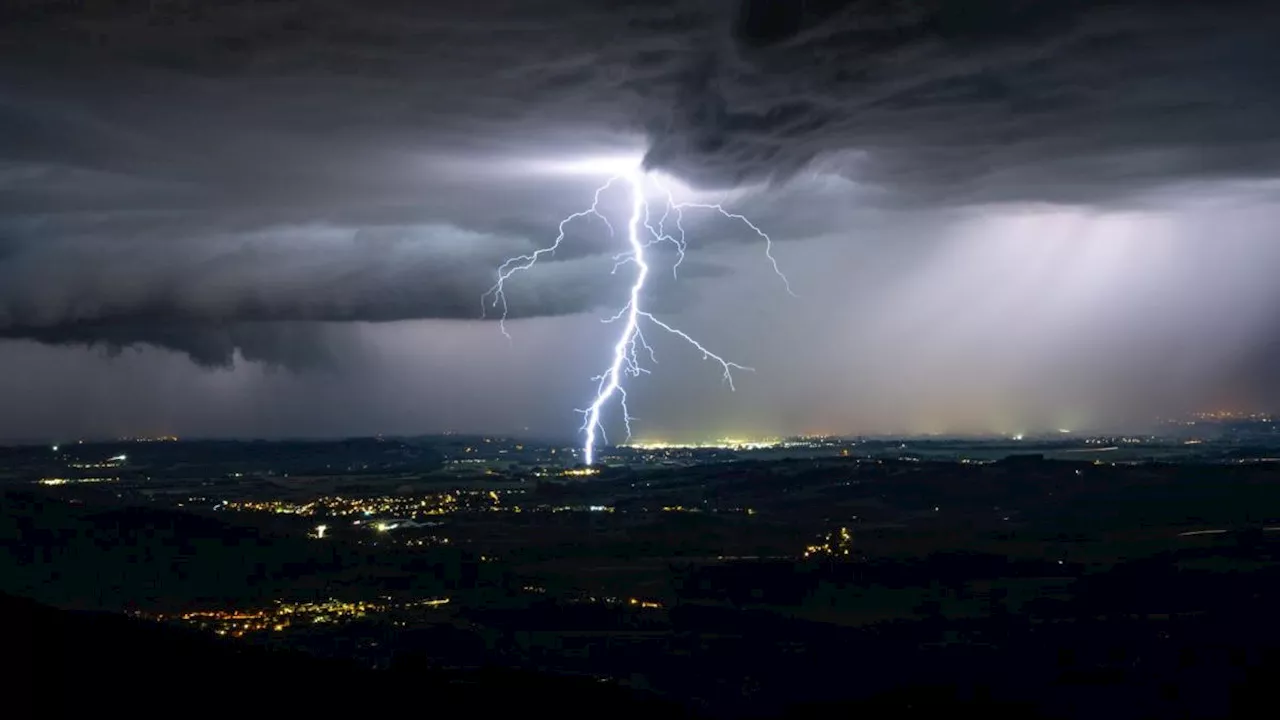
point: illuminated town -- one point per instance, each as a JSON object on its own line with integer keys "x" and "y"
{"x": 838, "y": 543}
{"x": 282, "y": 616}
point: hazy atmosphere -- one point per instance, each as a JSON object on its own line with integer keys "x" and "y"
{"x": 251, "y": 220}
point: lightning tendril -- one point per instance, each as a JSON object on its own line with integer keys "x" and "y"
{"x": 643, "y": 232}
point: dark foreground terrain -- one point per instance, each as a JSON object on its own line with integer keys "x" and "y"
{"x": 74, "y": 663}
{"x": 818, "y": 587}
{"x": 71, "y": 664}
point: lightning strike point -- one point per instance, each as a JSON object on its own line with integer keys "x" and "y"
{"x": 642, "y": 233}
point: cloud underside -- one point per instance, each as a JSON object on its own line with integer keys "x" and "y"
{"x": 200, "y": 178}
{"x": 292, "y": 346}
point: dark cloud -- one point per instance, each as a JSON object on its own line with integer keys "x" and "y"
{"x": 223, "y": 294}
{"x": 174, "y": 172}
{"x": 988, "y": 100}
{"x": 290, "y": 346}
{"x": 927, "y": 93}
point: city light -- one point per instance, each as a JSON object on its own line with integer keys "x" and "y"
{"x": 721, "y": 444}
{"x": 832, "y": 544}
{"x": 75, "y": 481}
{"x": 283, "y": 615}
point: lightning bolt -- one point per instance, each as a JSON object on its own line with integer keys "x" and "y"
{"x": 643, "y": 232}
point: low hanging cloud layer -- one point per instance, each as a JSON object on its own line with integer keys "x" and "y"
{"x": 201, "y": 176}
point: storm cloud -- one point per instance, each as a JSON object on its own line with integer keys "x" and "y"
{"x": 985, "y": 101}
{"x": 242, "y": 179}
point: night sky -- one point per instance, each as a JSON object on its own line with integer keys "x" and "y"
{"x": 278, "y": 218}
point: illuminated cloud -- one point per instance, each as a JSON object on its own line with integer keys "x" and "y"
{"x": 260, "y": 181}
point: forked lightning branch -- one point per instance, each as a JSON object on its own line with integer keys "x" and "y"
{"x": 644, "y": 229}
